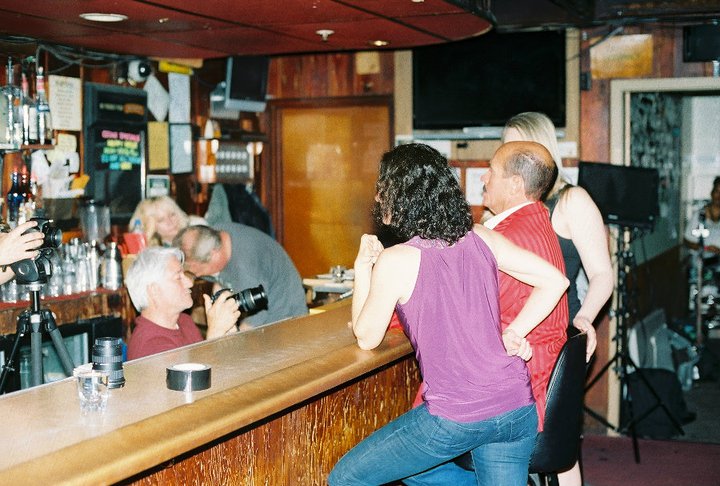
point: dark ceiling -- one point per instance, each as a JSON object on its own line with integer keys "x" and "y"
{"x": 218, "y": 28}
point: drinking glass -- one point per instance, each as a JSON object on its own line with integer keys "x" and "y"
{"x": 92, "y": 387}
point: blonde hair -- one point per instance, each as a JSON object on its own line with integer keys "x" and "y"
{"x": 537, "y": 127}
{"x": 146, "y": 212}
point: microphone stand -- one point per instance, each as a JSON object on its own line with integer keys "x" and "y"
{"x": 701, "y": 232}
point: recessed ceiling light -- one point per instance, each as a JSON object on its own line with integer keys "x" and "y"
{"x": 379, "y": 43}
{"x": 325, "y": 33}
{"x": 103, "y": 17}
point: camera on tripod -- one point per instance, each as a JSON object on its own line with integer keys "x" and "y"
{"x": 38, "y": 269}
{"x": 249, "y": 301}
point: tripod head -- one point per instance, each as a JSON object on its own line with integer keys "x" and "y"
{"x": 38, "y": 269}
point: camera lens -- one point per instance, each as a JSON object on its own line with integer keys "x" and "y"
{"x": 107, "y": 356}
{"x": 249, "y": 300}
{"x": 53, "y": 237}
{"x": 252, "y": 300}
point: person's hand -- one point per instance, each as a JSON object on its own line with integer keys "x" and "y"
{"x": 221, "y": 315}
{"x": 16, "y": 246}
{"x": 584, "y": 325}
{"x": 370, "y": 249}
{"x": 516, "y": 345}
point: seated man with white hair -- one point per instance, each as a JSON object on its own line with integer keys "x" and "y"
{"x": 160, "y": 291}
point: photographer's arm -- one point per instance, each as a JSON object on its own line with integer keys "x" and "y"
{"x": 18, "y": 245}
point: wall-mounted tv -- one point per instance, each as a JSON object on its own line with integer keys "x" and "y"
{"x": 483, "y": 81}
{"x": 246, "y": 83}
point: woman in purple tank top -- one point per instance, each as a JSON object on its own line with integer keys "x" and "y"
{"x": 443, "y": 284}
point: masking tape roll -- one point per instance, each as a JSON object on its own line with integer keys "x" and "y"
{"x": 188, "y": 377}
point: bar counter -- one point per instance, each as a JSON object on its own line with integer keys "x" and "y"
{"x": 286, "y": 401}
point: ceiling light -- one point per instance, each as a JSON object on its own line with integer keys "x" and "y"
{"x": 103, "y": 17}
{"x": 324, "y": 33}
{"x": 379, "y": 43}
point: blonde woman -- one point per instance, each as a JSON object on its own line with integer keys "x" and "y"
{"x": 582, "y": 235}
{"x": 161, "y": 219}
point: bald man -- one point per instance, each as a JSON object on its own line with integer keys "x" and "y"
{"x": 520, "y": 174}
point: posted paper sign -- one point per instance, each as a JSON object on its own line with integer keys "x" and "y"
{"x": 474, "y": 185}
{"x": 65, "y": 99}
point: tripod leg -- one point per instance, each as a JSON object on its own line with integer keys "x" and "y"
{"x": 56, "y": 337}
{"x": 10, "y": 362}
{"x": 36, "y": 376}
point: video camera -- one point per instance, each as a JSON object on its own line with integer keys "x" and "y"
{"x": 38, "y": 269}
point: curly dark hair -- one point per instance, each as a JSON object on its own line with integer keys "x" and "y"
{"x": 417, "y": 191}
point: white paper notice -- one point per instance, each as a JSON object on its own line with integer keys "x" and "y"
{"x": 158, "y": 98}
{"x": 65, "y": 99}
{"x": 474, "y": 185}
{"x": 179, "y": 98}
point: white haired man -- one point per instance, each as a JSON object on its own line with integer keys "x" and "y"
{"x": 160, "y": 291}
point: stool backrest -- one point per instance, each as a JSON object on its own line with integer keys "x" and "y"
{"x": 557, "y": 447}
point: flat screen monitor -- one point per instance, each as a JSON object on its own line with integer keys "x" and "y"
{"x": 483, "y": 81}
{"x": 701, "y": 43}
{"x": 626, "y": 196}
{"x": 246, "y": 83}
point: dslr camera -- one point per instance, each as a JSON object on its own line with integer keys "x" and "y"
{"x": 249, "y": 301}
{"x": 38, "y": 269}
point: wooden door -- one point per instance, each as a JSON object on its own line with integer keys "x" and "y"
{"x": 329, "y": 158}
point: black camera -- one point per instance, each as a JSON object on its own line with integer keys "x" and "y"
{"x": 30, "y": 271}
{"x": 52, "y": 235}
{"x": 249, "y": 301}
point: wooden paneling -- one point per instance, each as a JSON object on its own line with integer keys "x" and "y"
{"x": 301, "y": 445}
{"x": 327, "y": 75}
{"x": 68, "y": 309}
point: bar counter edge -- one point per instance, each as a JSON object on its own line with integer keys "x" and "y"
{"x": 303, "y": 394}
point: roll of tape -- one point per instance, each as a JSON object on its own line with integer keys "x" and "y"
{"x": 188, "y": 377}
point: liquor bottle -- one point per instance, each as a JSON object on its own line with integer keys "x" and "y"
{"x": 29, "y": 113}
{"x": 44, "y": 121}
{"x": 10, "y": 119}
{"x": 29, "y": 190}
{"x": 23, "y": 196}
{"x": 14, "y": 200}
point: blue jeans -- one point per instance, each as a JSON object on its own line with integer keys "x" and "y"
{"x": 417, "y": 441}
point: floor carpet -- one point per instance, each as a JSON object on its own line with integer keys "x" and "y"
{"x": 610, "y": 461}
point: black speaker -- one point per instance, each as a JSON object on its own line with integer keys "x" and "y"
{"x": 626, "y": 196}
{"x": 701, "y": 43}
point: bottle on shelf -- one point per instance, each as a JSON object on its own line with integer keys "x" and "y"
{"x": 10, "y": 113}
{"x": 15, "y": 200}
{"x": 27, "y": 210}
{"x": 44, "y": 121}
{"x": 29, "y": 113}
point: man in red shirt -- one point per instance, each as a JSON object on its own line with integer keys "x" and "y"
{"x": 519, "y": 176}
{"x": 160, "y": 291}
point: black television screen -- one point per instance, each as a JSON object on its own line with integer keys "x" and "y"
{"x": 625, "y": 196}
{"x": 246, "y": 83}
{"x": 701, "y": 43}
{"x": 483, "y": 81}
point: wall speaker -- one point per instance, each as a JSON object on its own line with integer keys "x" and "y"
{"x": 701, "y": 43}
{"x": 625, "y": 196}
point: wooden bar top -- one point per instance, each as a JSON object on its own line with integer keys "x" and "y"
{"x": 45, "y": 439}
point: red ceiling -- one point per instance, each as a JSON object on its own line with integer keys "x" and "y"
{"x": 218, "y": 28}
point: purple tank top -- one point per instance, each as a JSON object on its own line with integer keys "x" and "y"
{"x": 453, "y": 322}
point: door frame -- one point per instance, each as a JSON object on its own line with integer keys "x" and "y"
{"x": 620, "y": 93}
